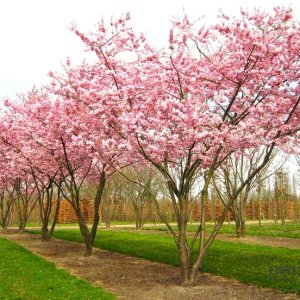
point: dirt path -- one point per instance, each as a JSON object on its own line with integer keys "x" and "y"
{"x": 262, "y": 240}
{"x": 134, "y": 278}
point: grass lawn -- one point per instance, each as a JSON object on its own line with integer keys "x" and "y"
{"x": 24, "y": 275}
{"x": 289, "y": 230}
{"x": 260, "y": 265}
{"x": 37, "y": 224}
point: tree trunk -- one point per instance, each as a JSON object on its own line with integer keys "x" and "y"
{"x": 21, "y": 220}
{"x": 253, "y": 210}
{"x": 107, "y": 214}
{"x": 4, "y": 225}
{"x": 86, "y": 237}
{"x": 259, "y": 213}
{"x": 44, "y": 215}
{"x": 239, "y": 218}
{"x": 184, "y": 272}
{"x": 5, "y": 217}
{"x": 138, "y": 218}
{"x": 243, "y": 228}
{"x": 45, "y": 232}
{"x": 89, "y": 236}
{"x": 275, "y": 210}
{"x": 238, "y": 228}
{"x": 184, "y": 254}
{"x": 196, "y": 265}
{"x": 184, "y": 261}
{"x": 107, "y": 223}
{"x": 45, "y": 211}
{"x": 5, "y": 220}
{"x": 283, "y": 210}
{"x": 22, "y": 226}
{"x": 137, "y": 224}
{"x": 55, "y": 214}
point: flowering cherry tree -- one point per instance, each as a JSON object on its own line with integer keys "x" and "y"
{"x": 217, "y": 90}
{"x": 23, "y": 137}
{"x": 7, "y": 192}
{"x": 73, "y": 148}
{"x": 90, "y": 99}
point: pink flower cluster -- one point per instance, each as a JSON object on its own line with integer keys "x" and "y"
{"x": 216, "y": 90}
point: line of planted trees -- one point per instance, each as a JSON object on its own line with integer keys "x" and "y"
{"x": 274, "y": 199}
{"x": 126, "y": 202}
{"x": 191, "y": 114}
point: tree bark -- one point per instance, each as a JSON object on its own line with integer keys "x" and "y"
{"x": 89, "y": 236}
{"x": 238, "y": 228}
{"x": 243, "y": 228}
{"x": 56, "y": 213}
{"x": 86, "y": 237}
{"x": 45, "y": 233}
{"x": 22, "y": 226}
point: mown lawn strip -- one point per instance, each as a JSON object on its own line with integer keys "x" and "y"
{"x": 24, "y": 275}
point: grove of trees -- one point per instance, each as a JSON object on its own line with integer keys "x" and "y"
{"x": 204, "y": 116}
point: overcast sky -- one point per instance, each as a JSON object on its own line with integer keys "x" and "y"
{"x": 35, "y": 37}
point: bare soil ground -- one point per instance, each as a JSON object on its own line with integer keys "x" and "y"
{"x": 133, "y": 278}
{"x": 262, "y": 240}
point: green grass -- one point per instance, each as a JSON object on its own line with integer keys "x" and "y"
{"x": 28, "y": 224}
{"x": 26, "y": 276}
{"x": 289, "y": 230}
{"x": 66, "y": 224}
{"x": 119, "y": 223}
{"x": 247, "y": 263}
{"x": 100, "y": 224}
{"x": 58, "y": 225}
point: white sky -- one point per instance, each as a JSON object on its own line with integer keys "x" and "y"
{"x": 34, "y": 35}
